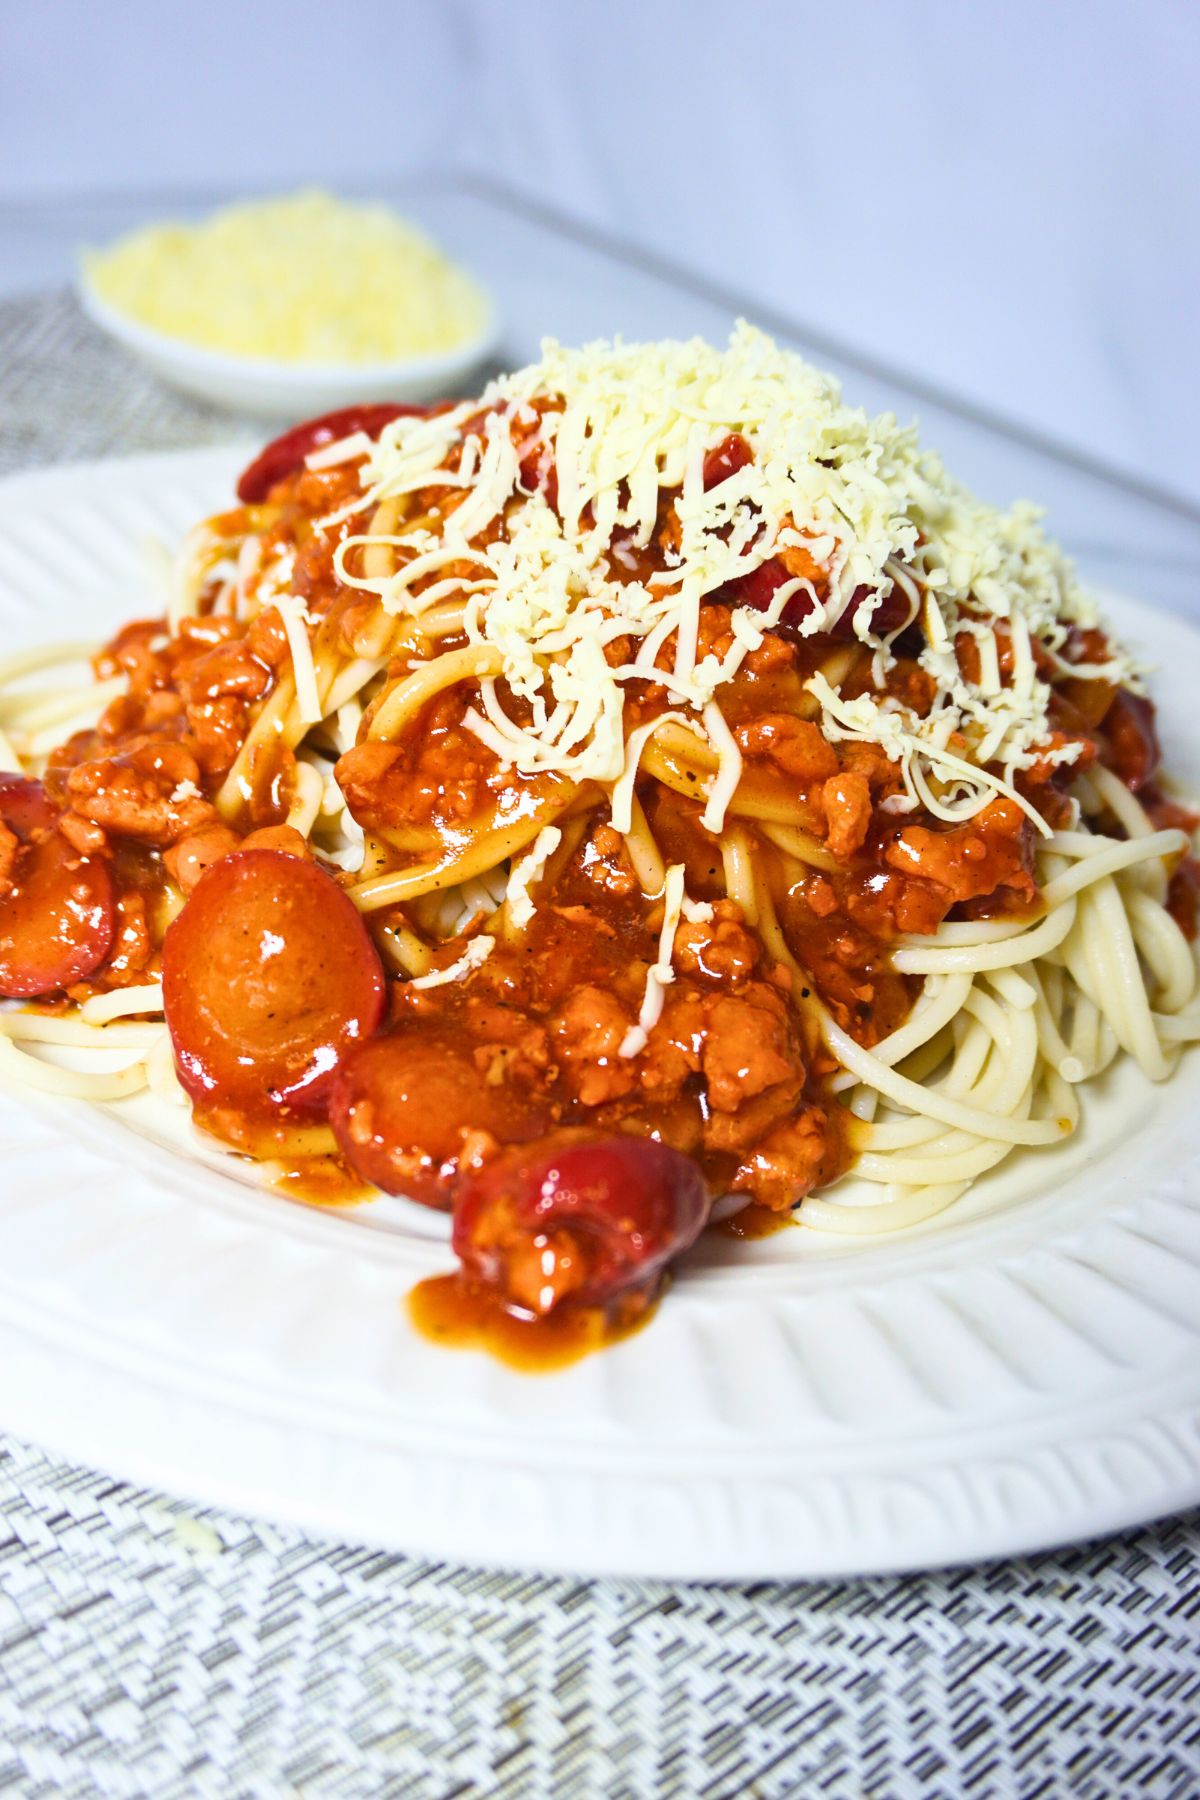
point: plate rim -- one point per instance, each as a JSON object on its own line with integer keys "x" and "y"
{"x": 48, "y": 1395}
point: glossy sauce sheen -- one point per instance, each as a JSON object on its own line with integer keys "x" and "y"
{"x": 322, "y": 1181}
{"x": 57, "y": 908}
{"x": 754, "y": 1222}
{"x": 268, "y": 976}
{"x": 561, "y": 996}
{"x": 458, "y": 1314}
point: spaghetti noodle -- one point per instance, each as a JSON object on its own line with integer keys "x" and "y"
{"x": 655, "y": 757}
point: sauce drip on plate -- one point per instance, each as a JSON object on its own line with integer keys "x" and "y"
{"x": 322, "y": 1181}
{"x": 754, "y": 1222}
{"x": 453, "y": 1311}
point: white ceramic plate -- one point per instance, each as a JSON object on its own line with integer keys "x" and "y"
{"x": 289, "y": 390}
{"x": 1022, "y": 1373}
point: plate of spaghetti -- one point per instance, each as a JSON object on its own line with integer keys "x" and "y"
{"x": 642, "y": 878}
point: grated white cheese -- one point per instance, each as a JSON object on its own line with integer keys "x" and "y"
{"x": 857, "y": 503}
{"x": 302, "y": 278}
{"x": 729, "y": 767}
{"x": 660, "y": 974}
{"x": 342, "y": 450}
{"x": 292, "y": 611}
{"x": 696, "y": 912}
{"x": 473, "y": 957}
{"x": 528, "y": 870}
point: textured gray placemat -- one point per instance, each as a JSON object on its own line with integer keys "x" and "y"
{"x": 144, "y": 1653}
{"x": 148, "y": 1648}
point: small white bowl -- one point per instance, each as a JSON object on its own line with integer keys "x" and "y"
{"x": 288, "y": 390}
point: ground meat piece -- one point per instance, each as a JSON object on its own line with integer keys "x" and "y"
{"x": 437, "y": 772}
{"x": 799, "y": 561}
{"x": 736, "y": 1133}
{"x": 200, "y": 633}
{"x": 509, "y": 1044}
{"x": 588, "y": 1032}
{"x": 821, "y": 896}
{"x": 904, "y": 681}
{"x": 130, "y": 654}
{"x": 122, "y": 718}
{"x": 991, "y": 851}
{"x": 267, "y": 641}
{"x": 195, "y": 854}
{"x": 673, "y": 1049}
{"x": 872, "y": 761}
{"x": 364, "y": 774}
{"x": 913, "y": 686}
{"x": 721, "y": 949}
{"x": 917, "y": 906}
{"x": 133, "y": 947}
{"x": 796, "y": 746}
{"x": 788, "y": 1163}
{"x": 586, "y": 920}
{"x": 82, "y": 835}
{"x": 847, "y": 799}
{"x": 714, "y": 636}
{"x": 158, "y": 707}
{"x": 772, "y": 655}
{"x": 284, "y": 838}
{"x": 226, "y": 669}
{"x": 139, "y": 716}
{"x": 745, "y": 1051}
{"x": 216, "y": 731}
{"x": 358, "y": 623}
{"x": 605, "y": 860}
{"x": 150, "y": 792}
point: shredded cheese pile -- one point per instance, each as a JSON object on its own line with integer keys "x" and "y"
{"x": 867, "y": 507}
{"x": 306, "y": 279}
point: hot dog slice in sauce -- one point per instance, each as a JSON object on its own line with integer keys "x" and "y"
{"x": 286, "y": 453}
{"x": 587, "y": 1219}
{"x": 269, "y": 978}
{"x": 564, "y": 1246}
{"x": 57, "y": 908}
{"x": 404, "y": 1108}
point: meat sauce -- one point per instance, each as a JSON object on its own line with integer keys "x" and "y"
{"x": 575, "y": 1174}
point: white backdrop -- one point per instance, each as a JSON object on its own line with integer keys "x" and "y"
{"x": 1001, "y": 197}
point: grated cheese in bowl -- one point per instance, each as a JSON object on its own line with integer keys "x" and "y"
{"x": 291, "y": 305}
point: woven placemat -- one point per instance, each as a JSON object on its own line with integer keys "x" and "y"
{"x": 148, "y": 1648}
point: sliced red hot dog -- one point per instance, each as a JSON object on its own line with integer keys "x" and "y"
{"x": 287, "y": 453}
{"x": 404, "y": 1106}
{"x": 57, "y": 908}
{"x": 589, "y": 1219}
{"x": 725, "y": 459}
{"x": 269, "y": 978}
{"x": 1132, "y": 736}
{"x": 759, "y": 588}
